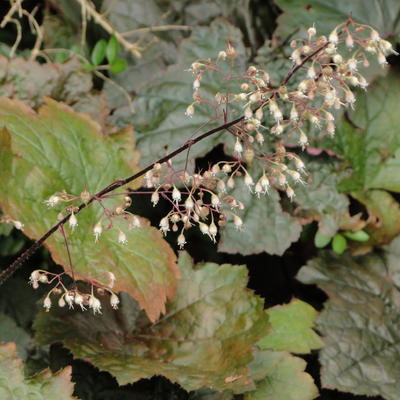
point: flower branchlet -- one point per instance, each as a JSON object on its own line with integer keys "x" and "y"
{"x": 272, "y": 115}
{"x": 73, "y": 297}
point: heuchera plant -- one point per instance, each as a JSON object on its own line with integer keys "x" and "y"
{"x": 329, "y": 69}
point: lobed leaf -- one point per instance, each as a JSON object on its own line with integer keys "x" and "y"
{"x": 59, "y": 149}
{"x": 326, "y": 14}
{"x": 281, "y": 376}
{"x": 360, "y": 322}
{"x": 205, "y": 338}
{"x": 292, "y": 328}
{"x": 266, "y": 227}
{"x": 43, "y": 386}
{"x": 160, "y": 118}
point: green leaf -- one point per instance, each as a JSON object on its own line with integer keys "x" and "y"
{"x": 320, "y": 199}
{"x": 99, "y": 52}
{"x": 384, "y": 214}
{"x": 11, "y": 332}
{"x": 205, "y": 337}
{"x": 118, "y": 66}
{"x": 326, "y": 14}
{"x": 321, "y": 240}
{"x": 360, "y": 322}
{"x": 112, "y": 49}
{"x": 59, "y": 149}
{"x": 160, "y": 119}
{"x": 43, "y": 386}
{"x": 359, "y": 236}
{"x": 339, "y": 244}
{"x": 375, "y": 162}
{"x": 31, "y": 82}
{"x": 266, "y": 227}
{"x": 292, "y": 329}
{"x": 61, "y": 57}
{"x": 281, "y": 376}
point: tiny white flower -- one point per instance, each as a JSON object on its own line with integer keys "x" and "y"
{"x": 69, "y": 298}
{"x": 18, "y": 225}
{"x": 238, "y": 147}
{"x": 222, "y": 55}
{"x": 311, "y": 32}
{"x": 333, "y": 37}
{"x": 176, "y": 195}
{"x": 212, "y": 231}
{"x": 181, "y": 241}
{"x": 35, "y": 276}
{"x": 375, "y": 36}
{"x": 382, "y": 59}
{"x": 264, "y": 182}
{"x": 47, "y": 303}
{"x": 294, "y": 115}
{"x": 215, "y": 201}
{"x": 61, "y": 302}
{"x": 114, "y": 301}
{"x": 73, "y": 222}
{"x": 259, "y": 114}
{"x": 352, "y": 64}
{"x": 349, "y": 97}
{"x": 94, "y": 303}
{"x": 97, "y": 231}
{"x": 337, "y": 59}
{"x": 52, "y": 201}
{"x": 248, "y": 113}
{"x": 122, "y": 238}
{"x": 111, "y": 278}
{"x": 189, "y": 111}
{"x": 79, "y": 301}
{"x": 155, "y": 197}
{"x": 349, "y": 41}
{"x": 248, "y": 181}
{"x": 311, "y": 72}
{"x": 237, "y": 221}
{"x": 189, "y": 204}
{"x": 203, "y": 228}
{"x": 290, "y": 193}
{"x": 164, "y": 225}
{"x": 303, "y": 140}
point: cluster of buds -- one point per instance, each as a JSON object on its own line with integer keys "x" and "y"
{"x": 197, "y": 199}
{"x": 72, "y": 297}
{"x": 329, "y": 67}
{"x": 107, "y": 219}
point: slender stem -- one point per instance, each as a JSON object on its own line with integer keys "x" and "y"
{"x": 9, "y": 271}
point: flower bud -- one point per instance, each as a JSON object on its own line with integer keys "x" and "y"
{"x": 311, "y": 32}
{"x": 237, "y": 221}
{"x": 47, "y": 303}
{"x": 176, "y": 194}
{"x": 181, "y": 241}
{"x": 333, "y": 37}
{"x": 238, "y": 147}
{"x": 189, "y": 204}
{"x": 114, "y": 301}
{"x": 122, "y": 238}
{"x": 73, "y": 222}
{"x": 189, "y": 111}
{"x": 155, "y": 197}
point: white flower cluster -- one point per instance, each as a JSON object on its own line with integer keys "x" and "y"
{"x": 73, "y": 296}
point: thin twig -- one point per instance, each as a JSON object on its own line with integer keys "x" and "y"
{"x": 16, "y": 6}
{"x": 160, "y": 28}
{"x": 130, "y": 47}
